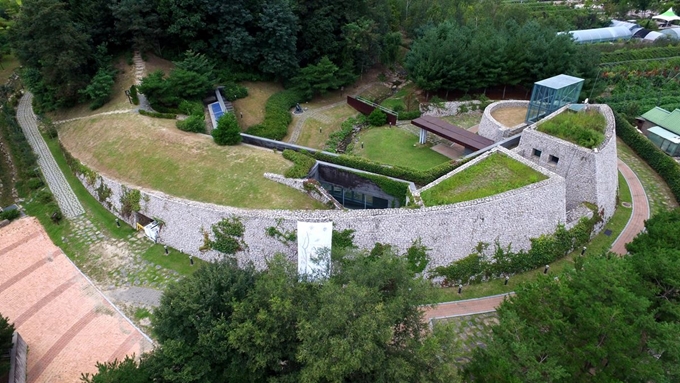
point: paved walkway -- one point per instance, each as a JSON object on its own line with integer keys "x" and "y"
{"x": 466, "y": 307}
{"x": 636, "y": 223}
{"x": 66, "y": 321}
{"x": 66, "y": 198}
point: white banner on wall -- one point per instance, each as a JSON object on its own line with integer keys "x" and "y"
{"x": 314, "y": 245}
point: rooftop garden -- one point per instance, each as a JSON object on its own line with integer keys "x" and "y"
{"x": 495, "y": 174}
{"x": 581, "y": 128}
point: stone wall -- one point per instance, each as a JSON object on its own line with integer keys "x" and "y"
{"x": 492, "y": 129}
{"x": 451, "y": 231}
{"x": 591, "y": 174}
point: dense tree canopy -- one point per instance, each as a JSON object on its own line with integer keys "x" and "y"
{"x": 362, "y": 324}
{"x": 6, "y": 332}
{"x": 610, "y": 319}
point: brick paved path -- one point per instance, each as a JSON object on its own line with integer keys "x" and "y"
{"x": 66, "y": 321}
{"x": 466, "y": 307}
{"x": 636, "y": 223}
{"x": 67, "y": 200}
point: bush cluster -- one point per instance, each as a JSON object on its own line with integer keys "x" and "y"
{"x": 377, "y": 117}
{"x": 10, "y": 215}
{"x": 545, "y": 249}
{"x": 656, "y": 158}
{"x": 233, "y": 91}
{"x": 191, "y": 108}
{"x": 302, "y": 164}
{"x": 134, "y": 95}
{"x": 169, "y": 116}
{"x": 193, "y": 123}
{"x": 277, "y": 115}
{"x": 409, "y": 115}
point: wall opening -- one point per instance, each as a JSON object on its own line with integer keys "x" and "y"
{"x": 553, "y": 160}
{"x": 537, "y": 153}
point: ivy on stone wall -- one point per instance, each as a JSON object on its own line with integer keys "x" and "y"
{"x": 480, "y": 266}
{"x": 287, "y": 237}
{"x": 103, "y": 192}
{"x": 228, "y": 236}
{"x": 129, "y": 201}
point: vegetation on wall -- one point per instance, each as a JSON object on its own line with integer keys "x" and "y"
{"x": 582, "y": 128}
{"x": 228, "y": 236}
{"x": 484, "y": 264}
{"x": 129, "y": 201}
{"x": 302, "y": 164}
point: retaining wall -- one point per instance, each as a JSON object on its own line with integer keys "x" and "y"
{"x": 493, "y": 129}
{"x": 451, "y": 231}
{"x": 591, "y": 174}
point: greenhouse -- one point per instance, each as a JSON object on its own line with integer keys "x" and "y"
{"x": 551, "y": 94}
{"x": 599, "y": 35}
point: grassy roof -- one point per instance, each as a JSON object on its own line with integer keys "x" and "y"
{"x": 495, "y": 174}
{"x": 581, "y": 128}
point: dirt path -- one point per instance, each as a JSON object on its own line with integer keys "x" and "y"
{"x": 466, "y": 307}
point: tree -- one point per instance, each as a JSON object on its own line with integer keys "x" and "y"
{"x": 6, "y": 333}
{"x": 320, "y": 78}
{"x": 362, "y": 324}
{"x": 592, "y": 324}
{"x": 277, "y": 39}
{"x": 99, "y": 89}
{"x": 118, "y": 371}
{"x": 137, "y": 22}
{"x": 45, "y": 38}
{"x": 227, "y": 132}
{"x": 377, "y": 117}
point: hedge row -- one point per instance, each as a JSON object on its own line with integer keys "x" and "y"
{"x": 415, "y": 176}
{"x": 169, "y": 116}
{"x": 545, "y": 249}
{"x": 409, "y": 115}
{"x": 277, "y": 115}
{"x": 663, "y": 164}
{"x": 302, "y": 164}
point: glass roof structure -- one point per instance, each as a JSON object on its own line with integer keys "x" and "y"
{"x": 673, "y": 33}
{"x": 551, "y": 94}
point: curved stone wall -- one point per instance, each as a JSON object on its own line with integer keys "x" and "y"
{"x": 451, "y": 231}
{"x": 591, "y": 174}
{"x": 492, "y": 129}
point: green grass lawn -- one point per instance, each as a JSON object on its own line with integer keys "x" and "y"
{"x": 330, "y": 121}
{"x": 583, "y": 128}
{"x": 405, "y": 98}
{"x": 495, "y": 174}
{"x": 659, "y": 195}
{"x": 599, "y": 244}
{"x": 153, "y": 153}
{"x": 398, "y": 147}
{"x": 175, "y": 260}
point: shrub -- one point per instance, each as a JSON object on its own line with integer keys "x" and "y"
{"x": 277, "y": 115}
{"x": 169, "y": 116}
{"x": 656, "y": 158}
{"x": 193, "y": 123}
{"x": 134, "y": 95}
{"x": 34, "y": 183}
{"x": 49, "y": 128}
{"x": 100, "y": 87}
{"x": 409, "y": 115}
{"x": 233, "y": 91}
{"x": 345, "y": 130}
{"x": 544, "y": 250}
{"x": 191, "y": 108}
{"x": 227, "y": 132}
{"x": 44, "y": 197}
{"x": 10, "y": 214}
{"x": 302, "y": 164}
{"x": 377, "y": 117}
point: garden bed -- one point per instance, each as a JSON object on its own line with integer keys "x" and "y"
{"x": 581, "y": 128}
{"x": 493, "y": 175}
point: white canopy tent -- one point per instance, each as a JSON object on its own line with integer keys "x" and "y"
{"x": 669, "y": 16}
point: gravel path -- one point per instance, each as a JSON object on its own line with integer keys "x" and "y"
{"x": 317, "y": 113}
{"x": 66, "y": 198}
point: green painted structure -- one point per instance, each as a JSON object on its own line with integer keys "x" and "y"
{"x": 663, "y": 129}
